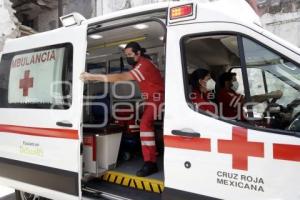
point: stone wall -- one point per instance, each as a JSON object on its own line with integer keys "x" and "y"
{"x": 8, "y": 22}
{"x": 284, "y": 25}
{"x": 48, "y": 19}
{"x": 281, "y": 17}
{"x": 42, "y": 15}
{"x": 108, "y": 6}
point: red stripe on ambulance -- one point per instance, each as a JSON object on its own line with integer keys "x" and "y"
{"x": 239, "y": 147}
{"x": 286, "y": 152}
{"x": 200, "y": 144}
{"x": 42, "y": 132}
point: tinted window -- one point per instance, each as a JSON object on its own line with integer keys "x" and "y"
{"x": 215, "y": 54}
{"x": 37, "y": 78}
{"x": 264, "y": 93}
{"x": 274, "y": 86}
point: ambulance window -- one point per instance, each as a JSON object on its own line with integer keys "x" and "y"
{"x": 257, "y": 86}
{"x": 274, "y": 84}
{"x": 37, "y": 78}
{"x": 271, "y": 97}
{"x": 215, "y": 54}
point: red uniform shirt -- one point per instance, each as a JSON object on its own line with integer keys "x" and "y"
{"x": 149, "y": 79}
{"x": 202, "y": 102}
{"x": 230, "y": 103}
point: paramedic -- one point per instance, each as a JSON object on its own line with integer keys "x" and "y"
{"x": 231, "y": 102}
{"x": 203, "y": 85}
{"x": 151, "y": 86}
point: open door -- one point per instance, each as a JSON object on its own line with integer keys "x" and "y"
{"x": 41, "y": 105}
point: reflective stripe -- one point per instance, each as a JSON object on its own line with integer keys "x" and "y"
{"x": 148, "y": 143}
{"x": 237, "y": 101}
{"x": 134, "y": 126}
{"x": 135, "y": 75}
{"x": 232, "y": 101}
{"x": 139, "y": 73}
{"x": 147, "y": 134}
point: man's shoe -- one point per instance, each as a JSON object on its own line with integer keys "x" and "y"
{"x": 148, "y": 169}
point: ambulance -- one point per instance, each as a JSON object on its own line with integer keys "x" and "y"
{"x": 62, "y": 138}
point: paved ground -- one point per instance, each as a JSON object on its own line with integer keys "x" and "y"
{"x": 6, "y": 193}
{"x": 8, "y": 197}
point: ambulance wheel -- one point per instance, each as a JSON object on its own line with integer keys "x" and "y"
{"x": 27, "y": 196}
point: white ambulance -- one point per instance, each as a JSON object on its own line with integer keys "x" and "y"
{"x": 61, "y": 138}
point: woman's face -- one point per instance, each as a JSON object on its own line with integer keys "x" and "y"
{"x": 207, "y": 84}
{"x": 203, "y": 82}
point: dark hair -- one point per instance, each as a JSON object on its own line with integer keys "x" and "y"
{"x": 196, "y": 75}
{"x": 227, "y": 76}
{"x": 137, "y": 47}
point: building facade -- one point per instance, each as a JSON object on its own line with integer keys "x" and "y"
{"x": 42, "y": 15}
{"x": 8, "y": 22}
{"x": 281, "y": 17}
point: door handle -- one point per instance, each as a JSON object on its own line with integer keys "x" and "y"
{"x": 186, "y": 133}
{"x": 64, "y": 124}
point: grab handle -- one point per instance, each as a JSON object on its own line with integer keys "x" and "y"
{"x": 64, "y": 124}
{"x": 185, "y": 133}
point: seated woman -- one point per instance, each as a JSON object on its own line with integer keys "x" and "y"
{"x": 202, "y": 85}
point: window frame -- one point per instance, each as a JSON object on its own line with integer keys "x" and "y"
{"x": 66, "y": 68}
{"x": 241, "y": 51}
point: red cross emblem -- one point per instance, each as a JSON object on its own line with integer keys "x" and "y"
{"x": 240, "y": 148}
{"x": 26, "y": 83}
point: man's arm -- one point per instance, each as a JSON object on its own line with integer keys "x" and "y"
{"x": 108, "y": 78}
{"x": 264, "y": 97}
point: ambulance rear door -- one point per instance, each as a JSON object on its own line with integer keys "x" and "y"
{"x": 41, "y": 105}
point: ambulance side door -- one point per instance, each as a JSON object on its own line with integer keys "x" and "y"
{"x": 41, "y": 108}
{"x": 207, "y": 157}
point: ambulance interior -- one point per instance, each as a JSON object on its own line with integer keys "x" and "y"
{"x": 111, "y": 112}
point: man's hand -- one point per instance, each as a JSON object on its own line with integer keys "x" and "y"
{"x": 109, "y": 78}
{"x": 85, "y": 76}
{"x": 265, "y": 97}
{"x": 276, "y": 94}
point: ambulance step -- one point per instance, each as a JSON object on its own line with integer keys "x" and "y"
{"x": 106, "y": 190}
{"x": 145, "y": 184}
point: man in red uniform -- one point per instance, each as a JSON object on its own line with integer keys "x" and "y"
{"x": 152, "y": 88}
{"x": 231, "y": 103}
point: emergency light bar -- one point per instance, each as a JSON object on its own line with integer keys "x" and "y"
{"x": 181, "y": 11}
{"x": 72, "y": 19}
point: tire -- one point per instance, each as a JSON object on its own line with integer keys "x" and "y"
{"x": 27, "y": 196}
